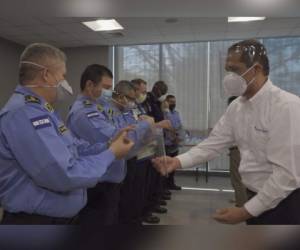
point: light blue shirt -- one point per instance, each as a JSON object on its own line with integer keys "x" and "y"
{"x": 95, "y": 123}
{"x": 44, "y": 169}
{"x": 174, "y": 118}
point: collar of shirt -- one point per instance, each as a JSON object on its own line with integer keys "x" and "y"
{"x": 81, "y": 97}
{"x": 114, "y": 107}
{"x": 27, "y": 91}
{"x": 261, "y": 94}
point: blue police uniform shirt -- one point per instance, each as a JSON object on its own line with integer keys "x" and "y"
{"x": 142, "y": 129}
{"x": 104, "y": 102}
{"x": 44, "y": 169}
{"x": 97, "y": 122}
{"x": 174, "y": 118}
{"x": 88, "y": 121}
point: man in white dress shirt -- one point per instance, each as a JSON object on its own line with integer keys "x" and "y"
{"x": 264, "y": 123}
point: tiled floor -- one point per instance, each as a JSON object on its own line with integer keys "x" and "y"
{"x": 192, "y": 207}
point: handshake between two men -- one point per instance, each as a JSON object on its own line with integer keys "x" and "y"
{"x": 231, "y": 215}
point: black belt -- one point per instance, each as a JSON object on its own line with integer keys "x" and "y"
{"x": 35, "y": 219}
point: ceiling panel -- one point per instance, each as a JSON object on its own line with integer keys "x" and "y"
{"x": 69, "y": 31}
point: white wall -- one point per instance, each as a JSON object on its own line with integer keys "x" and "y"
{"x": 9, "y": 62}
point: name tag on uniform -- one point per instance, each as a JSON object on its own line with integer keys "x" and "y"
{"x": 92, "y": 114}
{"x": 41, "y": 122}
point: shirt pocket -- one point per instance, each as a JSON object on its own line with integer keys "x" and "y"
{"x": 260, "y": 138}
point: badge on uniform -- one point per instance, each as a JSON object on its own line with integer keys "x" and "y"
{"x": 100, "y": 108}
{"x": 92, "y": 114}
{"x": 62, "y": 129}
{"x": 87, "y": 103}
{"x": 110, "y": 113}
{"x": 32, "y": 99}
{"x": 49, "y": 107}
{"x": 41, "y": 122}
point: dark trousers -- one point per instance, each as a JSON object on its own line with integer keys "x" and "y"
{"x": 134, "y": 192}
{"x": 34, "y": 219}
{"x": 155, "y": 185}
{"x": 170, "y": 180}
{"x": 127, "y": 210}
{"x": 287, "y": 212}
{"x": 103, "y": 205}
{"x": 140, "y": 183}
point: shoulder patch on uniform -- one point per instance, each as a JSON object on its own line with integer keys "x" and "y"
{"x": 110, "y": 112}
{"x": 100, "y": 107}
{"x": 41, "y": 122}
{"x": 49, "y": 107}
{"x": 62, "y": 129}
{"x": 32, "y": 99}
{"x": 92, "y": 114}
{"x": 87, "y": 103}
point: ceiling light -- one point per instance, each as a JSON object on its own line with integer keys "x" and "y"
{"x": 245, "y": 19}
{"x": 104, "y": 25}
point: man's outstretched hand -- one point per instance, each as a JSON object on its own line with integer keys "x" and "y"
{"x": 165, "y": 164}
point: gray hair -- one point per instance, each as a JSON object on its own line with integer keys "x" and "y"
{"x": 38, "y": 54}
{"x": 123, "y": 87}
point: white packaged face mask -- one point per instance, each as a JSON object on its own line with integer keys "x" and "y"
{"x": 236, "y": 85}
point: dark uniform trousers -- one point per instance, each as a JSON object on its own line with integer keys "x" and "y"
{"x": 127, "y": 212}
{"x": 103, "y": 205}
{"x": 35, "y": 219}
{"x": 287, "y": 211}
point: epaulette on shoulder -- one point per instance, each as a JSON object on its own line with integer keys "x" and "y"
{"x": 32, "y": 99}
{"x": 87, "y": 103}
{"x": 49, "y": 107}
{"x": 100, "y": 107}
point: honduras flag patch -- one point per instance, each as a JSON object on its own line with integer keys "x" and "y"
{"x": 41, "y": 122}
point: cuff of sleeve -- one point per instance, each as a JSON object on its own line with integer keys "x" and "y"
{"x": 255, "y": 207}
{"x": 144, "y": 125}
{"x": 185, "y": 160}
{"x": 109, "y": 156}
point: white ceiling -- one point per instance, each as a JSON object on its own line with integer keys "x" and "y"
{"x": 30, "y": 21}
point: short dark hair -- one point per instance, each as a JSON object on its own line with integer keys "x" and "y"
{"x": 161, "y": 85}
{"x": 94, "y": 73}
{"x": 252, "y": 51}
{"x": 170, "y": 97}
{"x": 122, "y": 88}
{"x": 138, "y": 81}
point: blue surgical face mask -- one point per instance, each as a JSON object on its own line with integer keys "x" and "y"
{"x": 106, "y": 94}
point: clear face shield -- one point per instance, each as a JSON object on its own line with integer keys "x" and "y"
{"x": 235, "y": 83}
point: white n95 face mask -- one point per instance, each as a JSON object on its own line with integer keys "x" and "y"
{"x": 236, "y": 85}
{"x": 63, "y": 88}
{"x": 162, "y": 98}
{"x": 141, "y": 98}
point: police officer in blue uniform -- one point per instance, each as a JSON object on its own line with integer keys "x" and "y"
{"x": 123, "y": 102}
{"x": 173, "y": 136}
{"x": 96, "y": 123}
{"x": 45, "y": 171}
